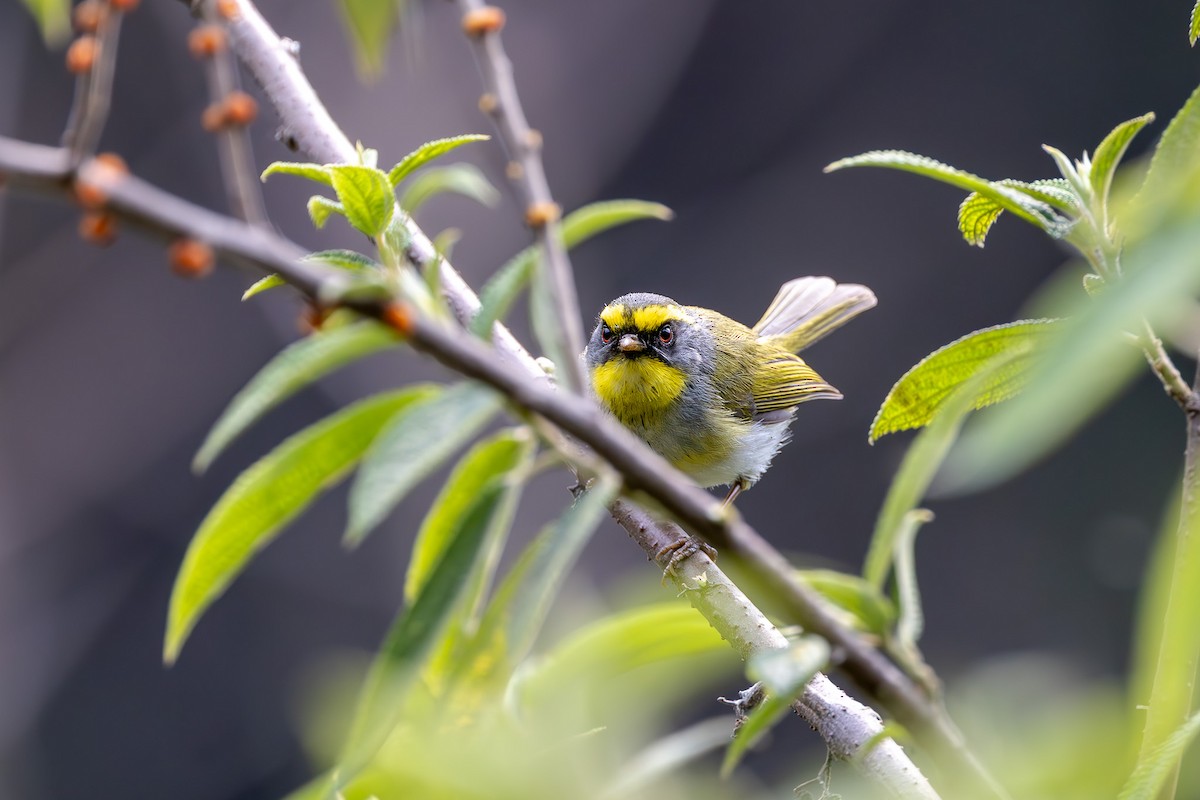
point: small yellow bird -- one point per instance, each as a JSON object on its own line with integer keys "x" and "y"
{"x": 710, "y": 395}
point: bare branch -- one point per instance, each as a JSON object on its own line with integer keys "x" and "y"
{"x": 482, "y": 24}
{"x": 93, "y": 90}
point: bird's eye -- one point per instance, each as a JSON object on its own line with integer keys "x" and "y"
{"x": 666, "y": 335}
{"x": 605, "y": 333}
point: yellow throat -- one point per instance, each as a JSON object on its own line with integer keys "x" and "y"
{"x": 635, "y": 388}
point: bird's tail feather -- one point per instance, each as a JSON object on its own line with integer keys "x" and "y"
{"x": 808, "y": 309}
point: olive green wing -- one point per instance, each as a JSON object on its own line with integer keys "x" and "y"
{"x": 783, "y": 380}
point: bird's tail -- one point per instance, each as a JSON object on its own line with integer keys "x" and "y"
{"x": 808, "y": 309}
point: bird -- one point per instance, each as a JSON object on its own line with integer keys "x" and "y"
{"x": 712, "y": 396}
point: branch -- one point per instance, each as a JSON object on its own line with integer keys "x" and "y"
{"x": 167, "y": 216}
{"x": 482, "y": 24}
{"x": 93, "y": 86}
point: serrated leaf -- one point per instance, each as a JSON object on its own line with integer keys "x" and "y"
{"x": 349, "y": 260}
{"x": 1085, "y": 365}
{"x": 414, "y": 634}
{"x": 979, "y": 212}
{"x": 428, "y": 152}
{"x": 370, "y": 24}
{"x": 319, "y": 209}
{"x": 1027, "y": 208}
{"x": 501, "y": 291}
{"x": 487, "y": 461}
{"x": 266, "y": 497}
{"x": 922, "y": 461}
{"x": 911, "y": 620}
{"x": 365, "y": 195}
{"x": 464, "y": 179}
{"x": 296, "y": 366}
{"x": 53, "y": 18}
{"x": 1169, "y": 190}
{"x": 784, "y": 674}
{"x": 865, "y": 606}
{"x": 916, "y": 397}
{"x": 1110, "y": 152}
{"x": 1194, "y": 28}
{"x": 263, "y": 284}
{"x": 1151, "y": 773}
{"x": 314, "y": 172}
{"x": 413, "y": 445}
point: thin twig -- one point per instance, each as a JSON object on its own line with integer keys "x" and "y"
{"x": 524, "y": 144}
{"x": 233, "y": 141}
{"x": 160, "y": 213}
{"x": 93, "y": 91}
{"x": 1177, "y": 389}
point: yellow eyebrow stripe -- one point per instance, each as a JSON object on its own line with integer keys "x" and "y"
{"x": 645, "y": 318}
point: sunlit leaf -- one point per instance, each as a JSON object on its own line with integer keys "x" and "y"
{"x": 911, "y": 621}
{"x": 918, "y": 395}
{"x": 266, "y": 497}
{"x": 1169, "y": 192}
{"x": 865, "y": 606}
{"x": 1194, "y": 28}
{"x": 501, "y": 291}
{"x": 784, "y": 674}
{"x": 320, "y": 208}
{"x": 314, "y": 172}
{"x": 487, "y": 461}
{"x": 1027, "y": 208}
{"x": 1110, "y": 152}
{"x": 925, "y": 455}
{"x": 53, "y": 18}
{"x": 263, "y": 284}
{"x": 415, "y": 632}
{"x": 428, "y": 152}
{"x": 1151, "y": 773}
{"x": 296, "y": 366}
{"x": 1085, "y": 365}
{"x": 979, "y": 212}
{"x": 464, "y": 179}
{"x": 365, "y": 195}
{"x": 413, "y": 445}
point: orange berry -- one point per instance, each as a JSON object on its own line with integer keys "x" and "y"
{"x": 88, "y": 15}
{"x": 400, "y": 317}
{"x": 124, "y": 5}
{"x": 205, "y": 41}
{"x": 98, "y": 227}
{"x": 228, "y": 9}
{"x": 82, "y": 53}
{"x": 479, "y": 21}
{"x": 240, "y": 109}
{"x": 539, "y": 215}
{"x": 213, "y": 118}
{"x": 190, "y": 258}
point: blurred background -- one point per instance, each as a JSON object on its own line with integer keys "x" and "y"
{"x": 112, "y": 370}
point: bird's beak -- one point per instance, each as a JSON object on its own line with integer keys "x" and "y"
{"x": 630, "y": 343}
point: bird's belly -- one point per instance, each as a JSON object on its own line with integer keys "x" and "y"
{"x": 717, "y": 453}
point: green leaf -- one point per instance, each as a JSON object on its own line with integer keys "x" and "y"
{"x": 464, "y": 179}
{"x": 428, "y": 152}
{"x": 314, "y": 172}
{"x": 370, "y": 24}
{"x": 414, "y": 633}
{"x": 925, "y": 455}
{"x": 263, "y": 284}
{"x": 53, "y": 18}
{"x": 619, "y": 644}
{"x": 365, "y": 195}
{"x": 502, "y": 289}
{"x": 266, "y": 497}
{"x": 1169, "y": 191}
{"x": 920, "y": 393}
{"x": 296, "y": 366}
{"x": 1085, "y": 365}
{"x": 319, "y": 209}
{"x": 1019, "y": 203}
{"x": 784, "y": 673}
{"x": 349, "y": 260}
{"x": 911, "y": 622}
{"x": 487, "y": 461}
{"x": 544, "y": 314}
{"x": 413, "y": 445}
{"x": 519, "y": 606}
{"x": 1151, "y": 773}
{"x": 1194, "y": 29}
{"x": 1110, "y": 152}
{"x": 979, "y": 212}
{"x": 865, "y": 606}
